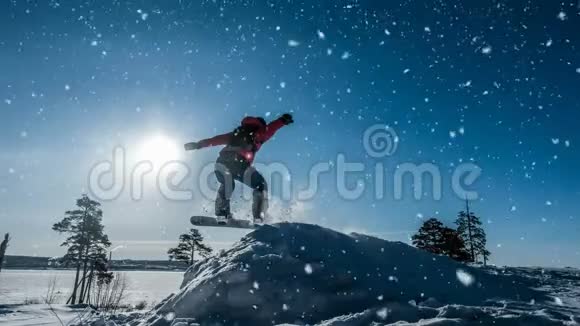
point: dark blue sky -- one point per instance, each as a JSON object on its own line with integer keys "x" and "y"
{"x": 78, "y": 78}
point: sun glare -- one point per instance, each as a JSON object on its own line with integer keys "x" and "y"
{"x": 158, "y": 150}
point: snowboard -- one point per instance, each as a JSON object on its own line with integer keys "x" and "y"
{"x": 232, "y": 223}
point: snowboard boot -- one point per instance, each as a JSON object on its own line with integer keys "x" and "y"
{"x": 222, "y": 210}
{"x": 259, "y": 206}
{"x": 224, "y": 219}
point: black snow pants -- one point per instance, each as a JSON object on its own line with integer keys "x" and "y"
{"x": 228, "y": 170}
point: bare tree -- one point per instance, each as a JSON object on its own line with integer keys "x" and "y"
{"x": 109, "y": 293}
{"x": 52, "y": 295}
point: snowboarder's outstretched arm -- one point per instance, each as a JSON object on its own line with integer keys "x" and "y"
{"x": 274, "y": 126}
{"x": 213, "y": 141}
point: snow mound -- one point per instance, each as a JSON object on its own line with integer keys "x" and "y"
{"x": 306, "y": 274}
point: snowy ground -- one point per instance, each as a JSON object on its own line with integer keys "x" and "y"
{"x": 42, "y": 314}
{"x": 22, "y": 292}
{"x": 19, "y": 286}
{"x": 298, "y": 274}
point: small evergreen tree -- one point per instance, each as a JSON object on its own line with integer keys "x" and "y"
{"x": 189, "y": 243}
{"x": 438, "y": 239}
{"x": 429, "y": 236}
{"x": 86, "y": 242}
{"x": 3, "y": 248}
{"x": 480, "y": 247}
{"x": 471, "y": 231}
{"x": 453, "y": 246}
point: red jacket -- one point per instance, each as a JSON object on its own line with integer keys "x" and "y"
{"x": 263, "y": 134}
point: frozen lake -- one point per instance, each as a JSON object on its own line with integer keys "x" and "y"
{"x": 19, "y": 286}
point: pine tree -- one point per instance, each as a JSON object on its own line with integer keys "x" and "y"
{"x": 86, "y": 241}
{"x": 189, "y": 243}
{"x": 453, "y": 245}
{"x": 99, "y": 271}
{"x": 471, "y": 231}
{"x": 480, "y": 246}
{"x": 436, "y": 238}
{"x": 429, "y": 236}
{"x": 3, "y": 248}
{"x": 93, "y": 266}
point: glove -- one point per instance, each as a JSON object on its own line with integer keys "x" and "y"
{"x": 191, "y": 146}
{"x": 287, "y": 118}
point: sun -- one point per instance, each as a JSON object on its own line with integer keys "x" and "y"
{"x": 158, "y": 150}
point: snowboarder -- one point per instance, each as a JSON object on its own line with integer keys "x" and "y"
{"x": 235, "y": 163}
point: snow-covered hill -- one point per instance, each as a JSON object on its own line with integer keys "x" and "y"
{"x": 300, "y": 274}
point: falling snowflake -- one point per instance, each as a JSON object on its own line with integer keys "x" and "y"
{"x": 321, "y": 35}
{"x": 382, "y": 313}
{"x": 8, "y": 101}
{"x": 549, "y": 43}
{"x": 427, "y": 29}
{"x": 169, "y": 316}
{"x": 464, "y": 277}
{"x": 562, "y": 16}
{"x": 345, "y": 55}
{"x": 308, "y": 269}
{"x": 94, "y": 43}
{"x": 452, "y": 134}
{"x": 23, "y": 134}
{"x": 387, "y": 32}
{"x": 567, "y": 143}
{"x": 67, "y": 87}
{"x": 466, "y": 84}
{"x": 406, "y": 71}
{"x": 513, "y": 209}
{"x": 555, "y": 141}
{"x": 486, "y": 50}
{"x": 578, "y": 70}
{"x": 285, "y": 307}
{"x": 282, "y": 85}
{"x": 256, "y": 285}
{"x": 143, "y": 14}
{"x": 293, "y": 43}
{"x": 548, "y": 203}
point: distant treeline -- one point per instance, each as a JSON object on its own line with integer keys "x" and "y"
{"x": 29, "y": 262}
